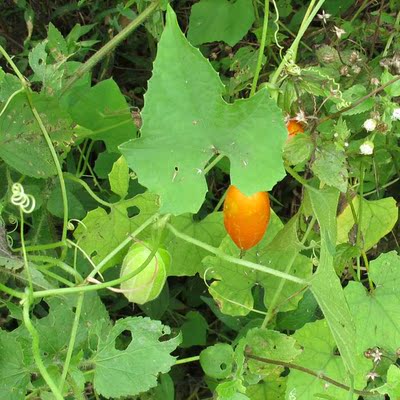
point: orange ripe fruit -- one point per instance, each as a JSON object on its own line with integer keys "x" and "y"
{"x": 246, "y": 217}
{"x": 294, "y": 127}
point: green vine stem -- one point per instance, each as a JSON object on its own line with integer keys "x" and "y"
{"x": 234, "y": 260}
{"x": 72, "y": 339}
{"x": 9, "y": 100}
{"x": 261, "y": 49}
{"x": 395, "y": 33}
{"x": 214, "y": 162}
{"x": 298, "y": 178}
{"x": 55, "y": 261}
{"x": 11, "y": 292}
{"x": 40, "y": 247}
{"x": 26, "y": 264}
{"x": 36, "y": 350}
{"x": 54, "y": 276}
{"x": 73, "y": 178}
{"x": 187, "y": 360}
{"x": 318, "y": 375}
{"x": 359, "y": 220}
{"x": 111, "y": 45}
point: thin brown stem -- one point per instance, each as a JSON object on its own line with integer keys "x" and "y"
{"x": 359, "y": 101}
{"x": 308, "y": 371}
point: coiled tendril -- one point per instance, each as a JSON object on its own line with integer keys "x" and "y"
{"x": 26, "y": 202}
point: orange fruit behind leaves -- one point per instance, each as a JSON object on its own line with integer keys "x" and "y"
{"x": 246, "y": 218}
{"x": 294, "y": 128}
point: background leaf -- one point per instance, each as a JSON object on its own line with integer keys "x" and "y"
{"x": 378, "y": 218}
{"x": 103, "y": 110}
{"x": 211, "y": 21}
{"x": 22, "y": 144}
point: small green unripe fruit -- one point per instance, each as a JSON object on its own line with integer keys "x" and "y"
{"x": 147, "y": 284}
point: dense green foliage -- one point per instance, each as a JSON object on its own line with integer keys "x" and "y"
{"x": 122, "y": 124}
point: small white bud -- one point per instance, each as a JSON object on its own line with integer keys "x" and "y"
{"x": 396, "y": 114}
{"x": 369, "y": 125}
{"x": 335, "y": 135}
{"x": 367, "y": 148}
{"x": 346, "y": 144}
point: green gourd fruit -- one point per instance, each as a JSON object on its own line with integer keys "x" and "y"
{"x": 147, "y": 284}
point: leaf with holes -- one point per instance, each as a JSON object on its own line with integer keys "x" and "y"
{"x": 217, "y": 361}
{"x": 186, "y": 123}
{"x": 102, "y": 231}
{"x": 133, "y": 370}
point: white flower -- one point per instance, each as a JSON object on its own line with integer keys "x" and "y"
{"x": 324, "y": 16}
{"x": 376, "y": 355}
{"x": 372, "y": 375}
{"x": 367, "y": 148}
{"x": 300, "y": 117}
{"x": 369, "y": 125}
{"x": 396, "y": 114}
{"x": 339, "y": 32}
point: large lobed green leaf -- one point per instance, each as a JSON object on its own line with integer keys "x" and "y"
{"x": 186, "y": 122}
